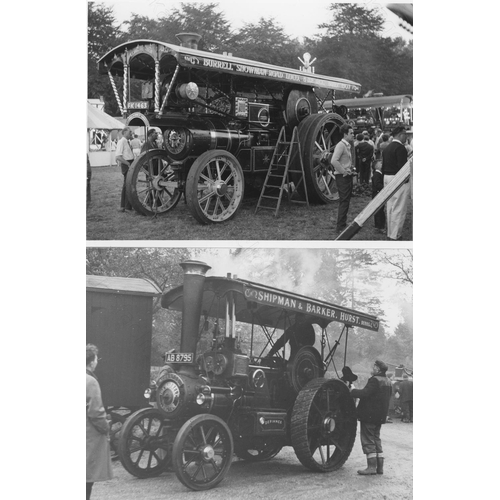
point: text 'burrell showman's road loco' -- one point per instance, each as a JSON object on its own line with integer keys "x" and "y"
{"x": 237, "y": 396}
{"x": 220, "y": 118}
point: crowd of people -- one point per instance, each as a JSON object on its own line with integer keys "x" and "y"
{"x": 375, "y": 157}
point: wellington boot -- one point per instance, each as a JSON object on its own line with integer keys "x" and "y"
{"x": 371, "y": 469}
{"x": 380, "y": 465}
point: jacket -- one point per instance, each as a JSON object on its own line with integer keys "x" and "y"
{"x": 98, "y": 454}
{"x": 373, "y": 400}
{"x": 406, "y": 391}
{"x": 342, "y": 158}
{"x": 394, "y": 156}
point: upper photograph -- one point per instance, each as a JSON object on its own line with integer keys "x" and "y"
{"x": 213, "y": 121}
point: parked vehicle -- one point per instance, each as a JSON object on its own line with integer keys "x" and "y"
{"x": 236, "y": 398}
{"x": 220, "y": 117}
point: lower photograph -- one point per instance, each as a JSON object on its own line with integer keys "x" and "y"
{"x": 259, "y": 372}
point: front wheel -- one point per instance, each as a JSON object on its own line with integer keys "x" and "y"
{"x": 152, "y": 183}
{"x": 202, "y": 452}
{"x": 144, "y": 446}
{"x": 214, "y": 187}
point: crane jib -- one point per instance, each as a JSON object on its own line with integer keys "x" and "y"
{"x": 353, "y": 318}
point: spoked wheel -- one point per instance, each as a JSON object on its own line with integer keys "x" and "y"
{"x": 304, "y": 366}
{"x": 260, "y": 450}
{"x": 203, "y": 450}
{"x": 317, "y": 134}
{"x": 152, "y": 183}
{"x": 323, "y": 425}
{"x": 214, "y": 187}
{"x": 144, "y": 446}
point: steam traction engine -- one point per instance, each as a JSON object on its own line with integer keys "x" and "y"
{"x": 220, "y": 118}
{"x": 230, "y": 401}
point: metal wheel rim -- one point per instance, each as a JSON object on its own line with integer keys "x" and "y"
{"x": 157, "y": 188}
{"x": 220, "y": 189}
{"x": 145, "y": 439}
{"x": 205, "y": 451}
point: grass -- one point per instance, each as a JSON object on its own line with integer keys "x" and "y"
{"x": 294, "y": 221}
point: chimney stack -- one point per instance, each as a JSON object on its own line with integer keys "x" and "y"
{"x": 189, "y": 40}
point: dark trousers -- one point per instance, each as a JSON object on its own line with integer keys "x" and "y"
{"x": 89, "y": 490}
{"x": 407, "y": 407}
{"x": 124, "y": 200}
{"x": 364, "y": 170}
{"x": 379, "y": 218}
{"x": 344, "y": 185}
{"x": 370, "y": 438}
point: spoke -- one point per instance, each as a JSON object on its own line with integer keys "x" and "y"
{"x": 139, "y": 457}
{"x": 209, "y": 173}
{"x": 336, "y": 444}
{"x": 204, "y": 473}
{"x": 321, "y": 453}
{"x": 231, "y": 175}
{"x": 217, "y": 166}
{"x": 149, "y": 460}
{"x": 223, "y": 169}
{"x": 198, "y": 470}
{"x": 209, "y": 433}
{"x": 206, "y": 197}
{"x": 216, "y": 205}
{"x": 207, "y": 180}
{"x": 190, "y": 437}
{"x": 142, "y": 428}
{"x": 203, "y": 437}
{"x": 329, "y": 192}
{"x": 215, "y": 466}
{"x": 331, "y": 132}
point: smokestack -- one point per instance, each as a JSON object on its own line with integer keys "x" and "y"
{"x": 194, "y": 280}
{"x": 189, "y": 40}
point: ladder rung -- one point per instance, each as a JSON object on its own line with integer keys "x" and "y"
{"x": 270, "y": 197}
{"x": 266, "y": 208}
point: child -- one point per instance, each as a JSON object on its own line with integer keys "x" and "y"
{"x": 377, "y": 186}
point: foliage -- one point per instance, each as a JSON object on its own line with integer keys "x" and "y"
{"x": 347, "y": 277}
{"x": 353, "y": 19}
{"x": 254, "y": 41}
{"x": 352, "y": 46}
{"x": 103, "y": 35}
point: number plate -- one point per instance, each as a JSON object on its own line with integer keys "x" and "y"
{"x": 137, "y": 105}
{"x": 179, "y": 357}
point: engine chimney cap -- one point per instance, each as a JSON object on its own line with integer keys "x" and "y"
{"x": 194, "y": 267}
{"x": 188, "y": 39}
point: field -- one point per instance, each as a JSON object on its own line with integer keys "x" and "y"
{"x": 294, "y": 221}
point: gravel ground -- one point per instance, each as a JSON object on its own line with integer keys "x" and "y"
{"x": 284, "y": 477}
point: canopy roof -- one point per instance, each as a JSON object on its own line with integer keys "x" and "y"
{"x": 101, "y": 120}
{"x": 267, "y": 306}
{"x": 375, "y": 102}
{"x": 130, "y": 286}
{"x": 135, "y": 53}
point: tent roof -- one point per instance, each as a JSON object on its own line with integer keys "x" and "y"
{"x": 101, "y": 120}
{"x": 113, "y": 284}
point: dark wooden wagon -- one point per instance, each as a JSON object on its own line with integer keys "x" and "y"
{"x": 119, "y": 323}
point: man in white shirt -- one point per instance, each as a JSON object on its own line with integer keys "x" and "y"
{"x": 342, "y": 162}
{"x": 124, "y": 158}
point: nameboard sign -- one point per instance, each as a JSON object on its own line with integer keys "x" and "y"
{"x": 331, "y": 312}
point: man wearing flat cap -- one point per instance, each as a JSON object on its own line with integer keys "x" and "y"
{"x": 372, "y": 413}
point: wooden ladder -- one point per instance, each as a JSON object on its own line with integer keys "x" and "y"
{"x": 277, "y": 178}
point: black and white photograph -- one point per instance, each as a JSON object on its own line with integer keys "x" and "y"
{"x": 249, "y": 250}
{"x": 225, "y": 120}
{"x": 246, "y": 371}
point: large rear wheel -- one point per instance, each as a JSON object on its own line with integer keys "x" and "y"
{"x": 319, "y": 134}
{"x": 323, "y": 425}
{"x": 214, "y": 187}
{"x": 203, "y": 451}
{"x": 144, "y": 445}
{"x": 152, "y": 184}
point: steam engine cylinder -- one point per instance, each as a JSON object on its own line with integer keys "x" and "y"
{"x": 198, "y": 135}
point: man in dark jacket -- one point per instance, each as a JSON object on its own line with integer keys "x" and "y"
{"x": 394, "y": 158}
{"x": 372, "y": 413}
{"x": 364, "y": 156}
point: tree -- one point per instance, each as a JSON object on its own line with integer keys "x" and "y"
{"x": 204, "y": 20}
{"x": 353, "y": 19}
{"x": 253, "y": 41}
{"x": 102, "y": 36}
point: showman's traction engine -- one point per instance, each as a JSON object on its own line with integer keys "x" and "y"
{"x": 234, "y": 399}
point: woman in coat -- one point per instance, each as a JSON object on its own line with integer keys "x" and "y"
{"x": 98, "y": 452}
